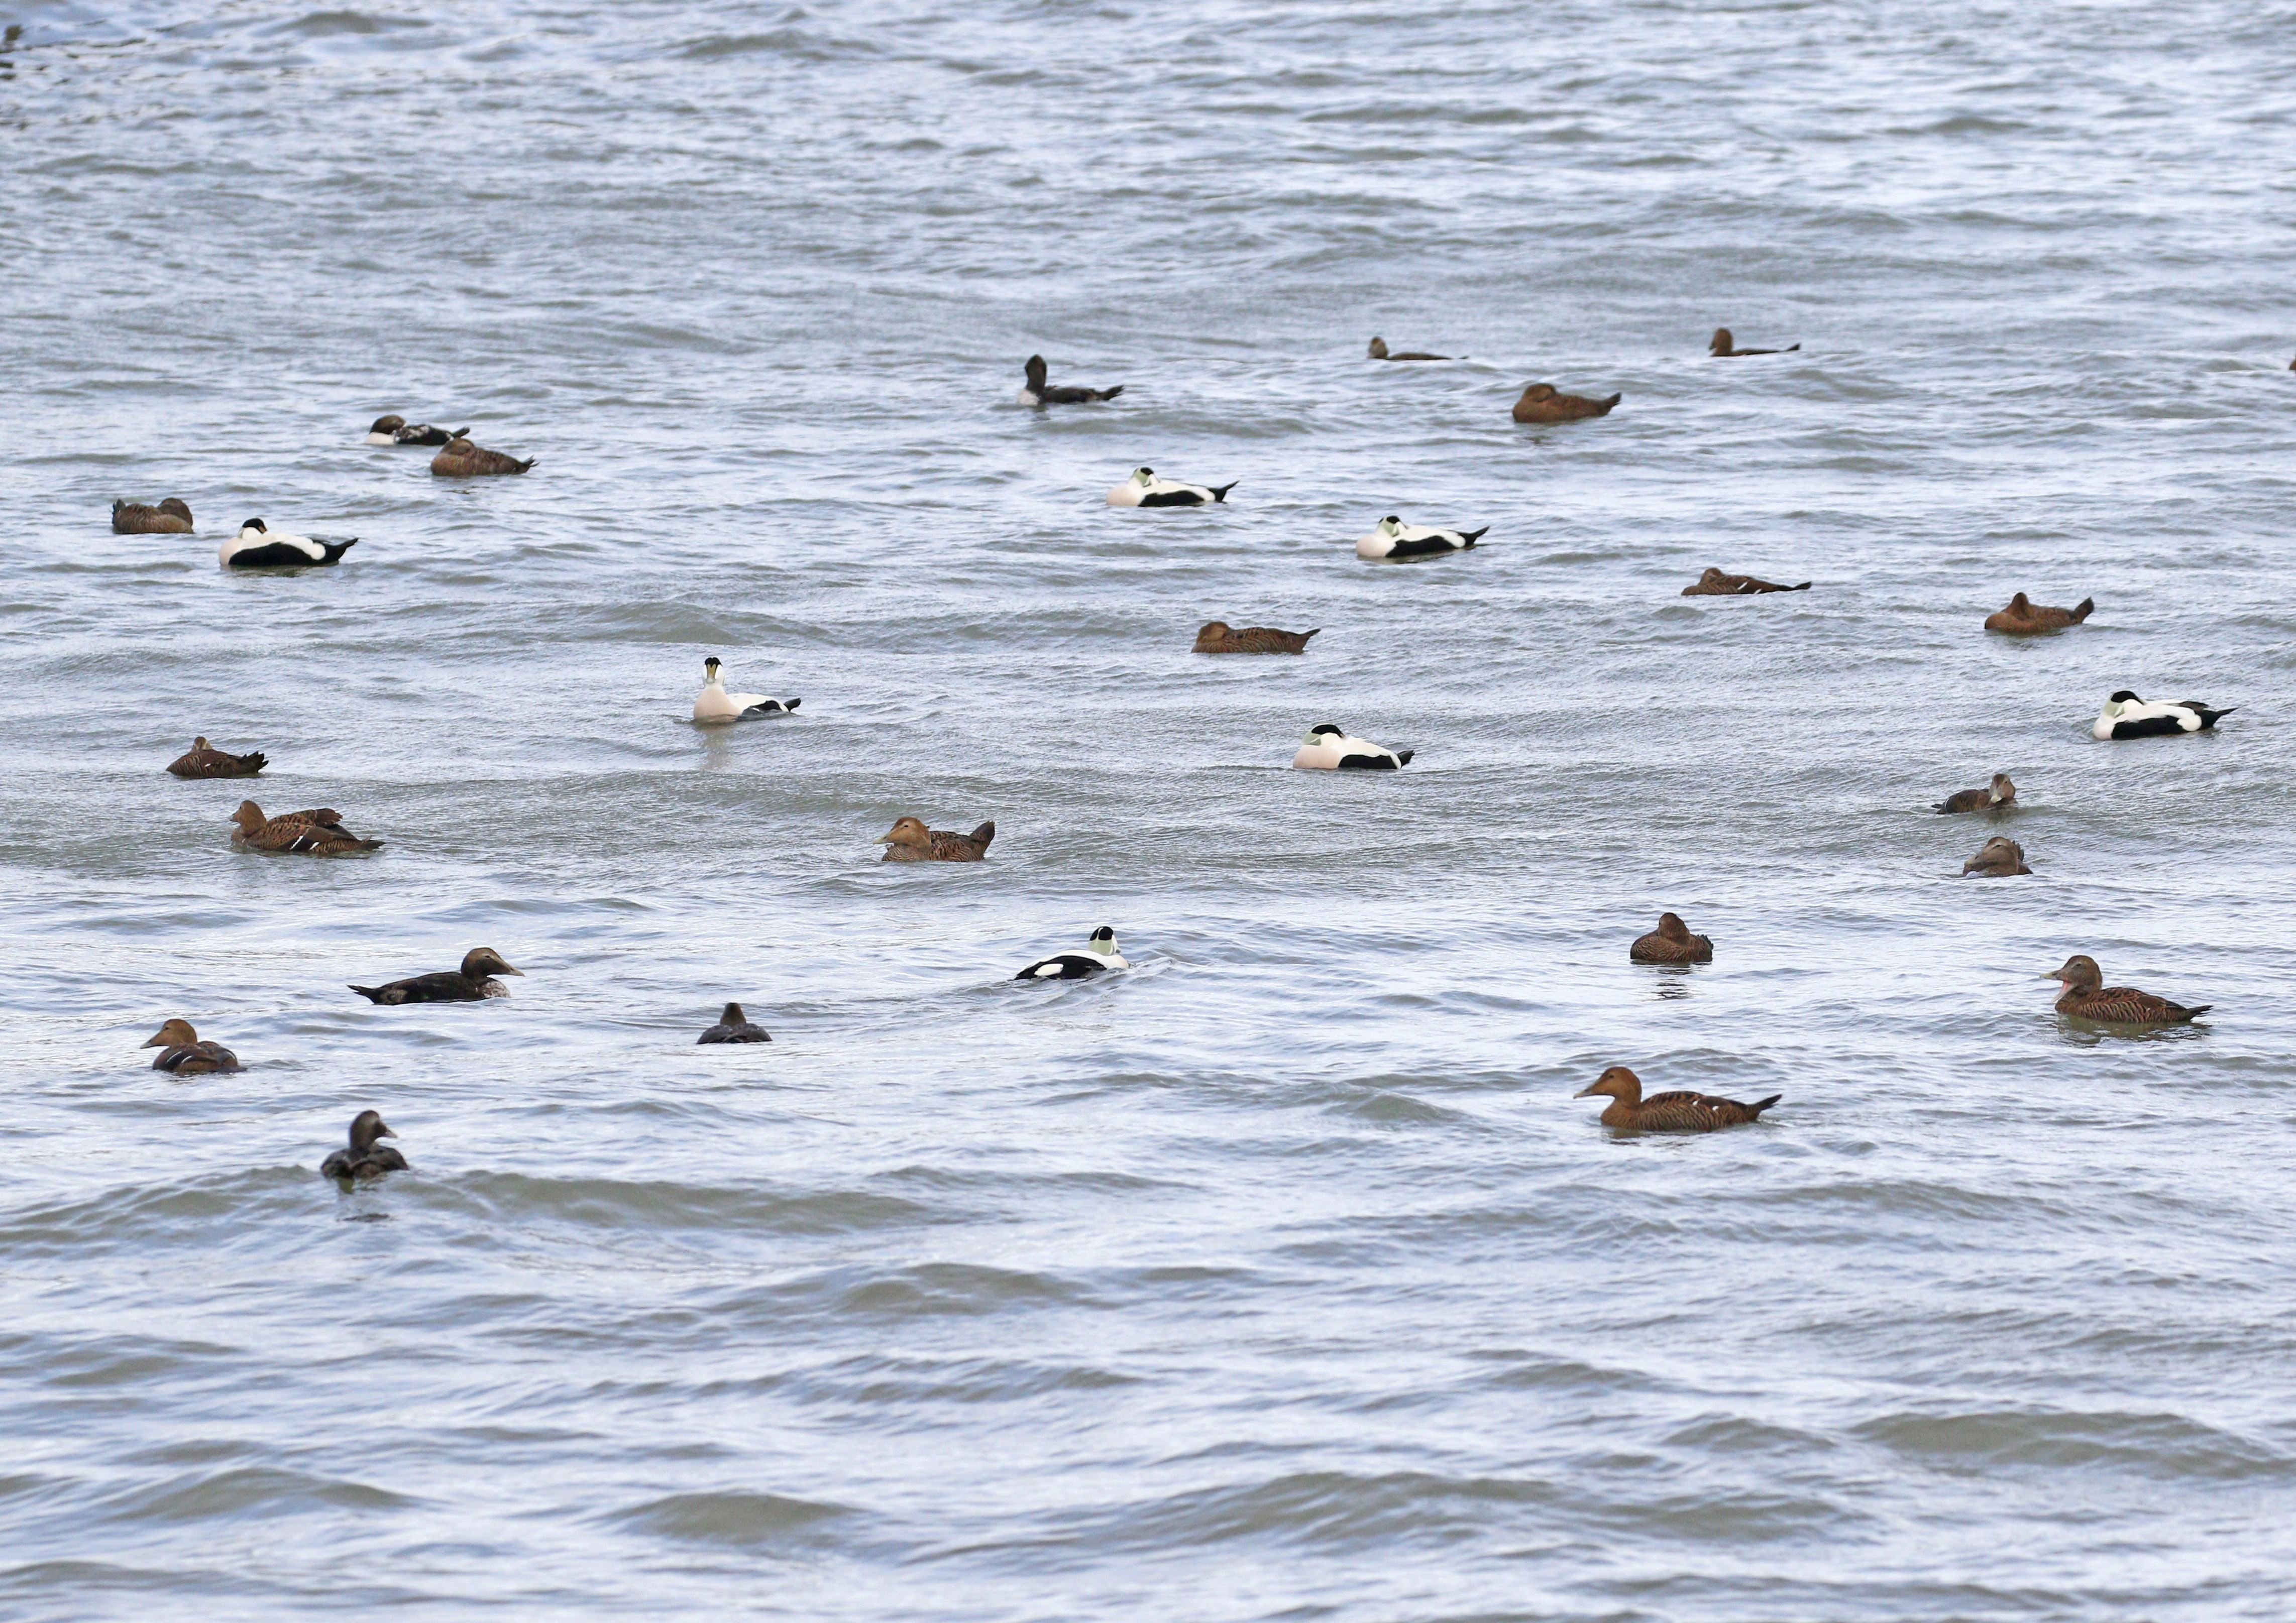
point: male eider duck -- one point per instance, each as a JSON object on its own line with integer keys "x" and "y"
{"x": 182, "y": 1052}
{"x": 1218, "y": 636}
{"x": 716, "y": 705}
{"x": 1329, "y": 748}
{"x": 1380, "y": 352}
{"x": 1671, "y": 943}
{"x": 1714, "y": 583}
{"x": 396, "y": 431}
{"x": 912, "y": 841}
{"x": 204, "y": 760}
{"x": 1999, "y": 858}
{"x": 259, "y": 546}
{"x": 1723, "y": 344}
{"x": 1144, "y": 490}
{"x": 2023, "y": 617}
{"x": 1035, "y": 391}
{"x": 734, "y": 1027}
{"x": 2126, "y": 716}
{"x": 463, "y": 460}
{"x": 1544, "y": 403}
{"x": 473, "y": 981}
{"x": 1395, "y": 540}
{"x": 366, "y": 1161}
{"x": 1677, "y": 1112}
{"x": 172, "y": 517}
{"x": 1099, "y": 954}
{"x": 317, "y": 833}
{"x": 2087, "y": 997}
{"x": 1997, "y": 796}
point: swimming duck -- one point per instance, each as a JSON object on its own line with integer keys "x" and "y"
{"x": 2087, "y": 997}
{"x": 203, "y": 760}
{"x": 182, "y": 1052}
{"x": 396, "y": 431}
{"x": 473, "y": 981}
{"x": 734, "y": 1027}
{"x": 1671, "y": 943}
{"x": 1714, "y": 583}
{"x": 366, "y": 1161}
{"x": 2000, "y": 793}
{"x": 912, "y": 841}
{"x": 2022, "y": 617}
{"x": 1544, "y": 403}
{"x": 463, "y": 460}
{"x": 2126, "y": 716}
{"x": 1677, "y": 1112}
{"x": 259, "y": 546}
{"x": 716, "y": 705}
{"x": 1394, "y": 539}
{"x": 1380, "y": 352}
{"x": 1998, "y": 858}
{"x": 1035, "y": 392}
{"x": 172, "y": 517}
{"x": 1218, "y": 636}
{"x": 1329, "y": 748}
{"x": 1099, "y": 954}
{"x": 1144, "y": 490}
{"x": 317, "y": 833}
{"x": 1722, "y": 344}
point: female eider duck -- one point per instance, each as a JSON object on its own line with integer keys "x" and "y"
{"x": 1035, "y": 391}
{"x": 2126, "y": 716}
{"x": 1714, "y": 583}
{"x": 204, "y": 760}
{"x": 259, "y": 546}
{"x": 2087, "y": 997}
{"x": 1329, "y": 748}
{"x": 716, "y": 705}
{"x": 734, "y": 1027}
{"x": 1671, "y": 943}
{"x": 1099, "y": 954}
{"x": 1218, "y": 636}
{"x": 1544, "y": 403}
{"x": 1723, "y": 344}
{"x": 1997, "y": 796}
{"x": 469, "y": 984}
{"x": 365, "y": 1160}
{"x": 1679, "y": 1112}
{"x": 2000, "y": 857}
{"x": 2024, "y": 618}
{"x": 182, "y": 1052}
{"x": 396, "y": 431}
{"x": 1380, "y": 352}
{"x": 1144, "y": 490}
{"x": 1395, "y": 541}
{"x": 463, "y": 460}
{"x": 316, "y": 833}
{"x": 912, "y": 841}
{"x": 172, "y": 517}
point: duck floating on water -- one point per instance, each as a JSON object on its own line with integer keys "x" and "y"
{"x": 1723, "y": 345}
{"x": 912, "y": 841}
{"x": 1544, "y": 403}
{"x": 1395, "y": 540}
{"x": 2025, "y": 617}
{"x": 2086, "y": 997}
{"x": 1329, "y": 748}
{"x": 316, "y": 833}
{"x": 366, "y": 1159}
{"x": 1035, "y": 391}
{"x": 1100, "y": 955}
{"x": 716, "y": 705}
{"x": 2000, "y": 857}
{"x": 182, "y": 1052}
{"x": 1144, "y": 490}
{"x": 1380, "y": 352}
{"x": 259, "y": 546}
{"x": 1714, "y": 583}
{"x": 734, "y": 1027}
{"x": 471, "y": 983}
{"x": 1671, "y": 943}
{"x": 1218, "y": 636}
{"x": 1997, "y": 796}
{"x": 171, "y": 517}
{"x": 396, "y": 431}
{"x": 2126, "y": 716}
{"x": 1677, "y": 1112}
{"x": 463, "y": 460}
{"x": 204, "y": 760}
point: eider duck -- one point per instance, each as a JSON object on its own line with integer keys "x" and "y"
{"x": 1999, "y": 794}
{"x": 1380, "y": 352}
{"x": 365, "y": 1160}
{"x": 396, "y": 431}
{"x": 1100, "y": 955}
{"x": 2023, "y": 617}
{"x": 1998, "y": 858}
{"x": 1671, "y": 943}
{"x": 473, "y": 981}
{"x": 1723, "y": 344}
{"x": 1544, "y": 403}
{"x": 716, "y": 705}
{"x": 2087, "y": 997}
{"x": 171, "y": 517}
{"x": 1329, "y": 748}
{"x": 1395, "y": 540}
{"x": 1714, "y": 583}
{"x": 259, "y": 546}
{"x": 182, "y": 1052}
{"x": 463, "y": 460}
{"x": 912, "y": 841}
{"x": 1218, "y": 636}
{"x": 2126, "y": 716}
{"x": 1677, "y": 1112}
{"x": 734, "y": 1027}
{"x": 1034, "y": 391}
{"x": 1144, "y": 490}
{"x": 316, "y": 833}
{"x": 204, "y": 760}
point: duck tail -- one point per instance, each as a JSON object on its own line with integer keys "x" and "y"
{"x": 1789, "y": 348}
{"x": 1403, "y": 758}
{"x": 1111, "y": 394}
{"x": 2082, "y": 610}
{"x": 1219, "y": 492}
{"x": 792, "y": 704}
{"x": 1613, "y": 400}
{"x": 256, "y": 761}
{"x": 1305, "y": 635}
{"x": 372, "y": 994}
{"x": 1470, "y": 537}
{"x": 1754, "y": 1110}
{"x": 2194, "y": 1013}
{"x": 1804, "y": 587}
{"x": 986, "y": 833}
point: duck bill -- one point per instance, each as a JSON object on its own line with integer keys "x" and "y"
{"x": 1587, "y": 1091}
{"x": 157, "y": 1041}
{"x": 504, "y": 968}
{"x": 884, "y": 839}
{"x": 384, "y": 1132}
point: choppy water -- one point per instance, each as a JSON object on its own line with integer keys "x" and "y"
{"x": 1281, "y": 1277}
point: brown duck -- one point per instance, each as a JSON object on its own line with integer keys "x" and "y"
{"x": 463, "y": 460}
{"x": 1723, "y": 344}
{"x": 2022, "y": 617}
{"x": 1380, "y": 352}
{"x": 1544, "y": 403}
{"x": 182, "y": 1052}
{"x": 1671, "y": 943}
{"x": 204, "y": 760}
{"x": 473, "y": 982}
{"x": 1714, "y": 583}
{"x": 1999, "y": 796}
{"x": 318, "y": 832}
{"x": 2087, "y": 997}
{"x": 1679, "y": 1112}
{"x": 735, "y": 1027}
{"x": 172, "y": 517}
{"x": 365, "y": 1160}
{"x": 1998, "y": 858}
{"x": 1218, "y": 636}
{"x": 912, "y": 841}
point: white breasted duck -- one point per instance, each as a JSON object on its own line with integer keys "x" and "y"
{"x": 716, "y": 705}
{"x": 396, "y": 431}
{"x": 1100, "y": 955}
{"x": 1036, "y": 391}
{"x": 2126, "y": 716}
{"x": 1395, "y": 540}
{"x": 1329, "y": 748}
{"x": 259, "y": 546}
{"x": 1144, "y": 490}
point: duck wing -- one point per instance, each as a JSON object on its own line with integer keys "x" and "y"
{"x": 1690, "y": 1113}
{"x": 2127, "y": 1006}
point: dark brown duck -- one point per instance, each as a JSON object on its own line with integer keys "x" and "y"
{"x": 2000, "y": 857}
{"x": 366, "y": 1159}
{"x": 471, "y": 983}
{"x": 1218, "y": 636}
{"x": 734, "y": 1027}
{"x": 1544, "y": 403}
{"x": 1671, "y": 943}
{"x": 2023, "y": 617}
{"x": 315, "y": 832}
{"x": 182, "y": 1052}
{"x": 912, "y": 841}
{"x": 1723, "y": 344}
{"x": 1036, "y": 391}
{"x": 2086, "y": 997}
{"x": 1998, "y": 796}
{"x": 1714, "y": 583}
{"x": 1676, "y": 1112}
{"x": 1380, "y": 352}
{"x": 463, "y": 460}
{"x": 172, "y": 517}
{"x": 204, "y": 760}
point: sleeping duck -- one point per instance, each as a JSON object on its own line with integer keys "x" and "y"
{"x": 2025, "y": 617}
{"x": 716, "y": 705}
{"x": 365, "y": 1160}
{"x": 2126, "y": 716}
{"x": 1999, "y": 795}
{"x": 172, "y": 517}
{"x": 317, "y": 833}
{"x": 1544, "y": 403}
{"x": 396, "y": 431}
{"x": 2000, "y": 857}
{"x": 204, "y": 760}
{"x": 183, "y": 1053}
{"x": 1035, "y": 391}
{"x": 1144, "y": 490}
{"x": 1395, "y": 540}
{"x": 259, "y": 546}
{"x": 463, "y": 460}
{"x": 912, "y": 841}
{"x": 1218, "y": 636}
{"x": 1380, "y": 352}
{"x": 469, "y": 984}
{"x": 1714, "y": 583}
{"x": 1723, "y": 344}
{"x": 1100, "y": 955}
{"x": 1671, "y": 943}
{"x": 734, "y": 1027}
{"x": 1329, "y": 748}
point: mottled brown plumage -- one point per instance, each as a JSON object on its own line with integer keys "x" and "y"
{"x": 316, "y": 833}
{"x": 171, "y": 517}
{"x": 1998, "y": 858}
{"x": 1676, "y": 1112}
{"x": 2086, "y": 997}
{"x": 1671, "y": 943}
{"x": 2000, "y": 795}
{"x": 735, "y": 1027}
{"x": 204, "y": 760}
{"x": 365, "y": 1160}
{"x": 2023, "y": 617}
{"x": 1218, "y": 636}
{"x": 463, "y": 460}
{"x": 1723, "y": 344}
{"x": 912, "y": 841}
{"x": 1714, "y": 583}
{"x": 1380, "y": 352}
{"x": 182, "y": 1053}
{"x": 1544, "y": 403}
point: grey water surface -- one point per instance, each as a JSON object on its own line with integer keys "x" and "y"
{"x": 1281, "y": 1276}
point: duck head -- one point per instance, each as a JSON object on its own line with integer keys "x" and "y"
{"x": 2113, "y": 706}
{"x": 1540, "y": 391}
{"x": 458, "y": 447}
{"x": 1617, "y": 1082}
{"x": 250, "y": 816}
{"x": 1324, "y": 732}
{"x": 2020, "y": 604}
{"x": 1711, "y": 577}
{"x": 1036, "y": 372}
{"x": 1390, "y": 526}
{"x": 731, "y": 1015}
{"x": 389, "y": 424}
{"x": 1670, "y": 926}
{"x": 2080, "y": 973}
{"x": 1213, "y": 632}
{"x": 256, "y": 525}
{"x": 1103, "y": 941}
{"x": 1144, "y": 476}
{"x": 482, "y": 961}
{"x": 175, "y": 1034}
{"x": 1379, "y": 349}
{"x": 709, "y": 676}
{"x": 2002, "y": 791}
{"x": 908, "y": 832}
{"x": 366, "y": 1127}
{"x": 1722, "y": 342}
{"x": 178, "y": 506}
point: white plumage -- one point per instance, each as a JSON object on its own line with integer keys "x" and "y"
{"x": 2126, "y": 716}
{"x": 1329, "y": 748}
{"x": 259, "y": 546}
{"x": 716, "y": 705}
{"x": 1144, "y": 490}
{"x": 1100, "y": 955}
{"x": 1395, "y": 540}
